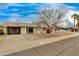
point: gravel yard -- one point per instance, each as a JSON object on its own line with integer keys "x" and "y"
{"x": 2, "y": 37}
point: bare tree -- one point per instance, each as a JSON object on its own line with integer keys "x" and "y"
{"x": 52, "y": 16}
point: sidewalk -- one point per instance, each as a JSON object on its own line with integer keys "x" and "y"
{"x": 15, "y": 43}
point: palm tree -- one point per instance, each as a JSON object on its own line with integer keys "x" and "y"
{"x": 76, "y": 17}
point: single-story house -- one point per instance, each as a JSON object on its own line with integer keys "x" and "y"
{"x": 25, "y": 28}
{"x": 22, "y": 28}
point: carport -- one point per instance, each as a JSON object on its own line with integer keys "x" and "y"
{"x": 13, "y": 30}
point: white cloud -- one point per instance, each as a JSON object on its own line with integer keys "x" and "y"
{"x": 71, "y": 12}
{"x": 70, "y": 7}
{"x": 11, "y": 20}
{"x": 70, "y": 20}
{"x": 50, "y": 5}
{"x": 14, "y": 4}
{"x": 29, "y": 18}
{"x": 3, "y": 5}
{"x": 26, "y": 19}
{"x": 15, "y": 15}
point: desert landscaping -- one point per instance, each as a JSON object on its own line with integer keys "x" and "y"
{"x": 46, "y": 36}
{"x": 40, "y": 36}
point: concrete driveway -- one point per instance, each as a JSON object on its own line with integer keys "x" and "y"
{"x": 69, "y": 47}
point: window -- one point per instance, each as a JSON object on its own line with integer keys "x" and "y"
{"x": 44, "y": 28}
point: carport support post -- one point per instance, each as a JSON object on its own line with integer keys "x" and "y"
{"x": 23, "y": 30}
{"x": 5, "y": 30}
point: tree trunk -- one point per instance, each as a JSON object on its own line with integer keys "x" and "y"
{"x": 48, "y": 30}
{"x": 51, "y": 29}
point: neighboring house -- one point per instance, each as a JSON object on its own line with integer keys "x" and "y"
{"x": 64, "y": 29}
{"x": 77, "y": 25}
{"x": 22, "y": 28}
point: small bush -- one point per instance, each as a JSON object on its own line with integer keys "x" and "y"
{"x": 48, "y": 30}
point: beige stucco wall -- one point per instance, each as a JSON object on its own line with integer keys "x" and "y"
{"x": 23, "y": 30}
{"x": 37, "y": 30}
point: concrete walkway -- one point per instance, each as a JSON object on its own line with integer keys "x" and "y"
{"x": 16, "y": 43}
{"x": 68, "y": 47}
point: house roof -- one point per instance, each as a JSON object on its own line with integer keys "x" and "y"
{"x": 22, "y": 24}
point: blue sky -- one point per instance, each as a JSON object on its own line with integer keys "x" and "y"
{"x": 26, "y": 12}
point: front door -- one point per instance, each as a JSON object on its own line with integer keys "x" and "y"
{"x": 29, "y": 30}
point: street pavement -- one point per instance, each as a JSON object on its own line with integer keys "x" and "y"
{"x": 68, "y": 47}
